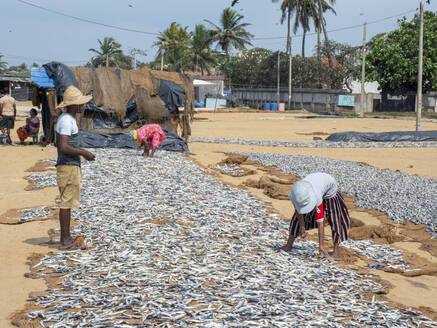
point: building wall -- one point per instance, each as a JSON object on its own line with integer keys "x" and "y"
{"x": 214, "y": 90}
{"x": 370, "y": 87}
{"x": 315, "y": 100}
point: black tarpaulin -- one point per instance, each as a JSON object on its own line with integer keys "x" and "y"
{"x": 172, "y": 95}
{"x": 90, "y": 139}
{"x": 45, "y": 114}
{"x": 5, "y": 139}
{"x": 62, "y": 74}
{"x": 101, "y": 119}
{"x": 384, "y": 136}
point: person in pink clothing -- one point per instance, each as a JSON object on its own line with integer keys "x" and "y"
{"x": 150, "y": 136}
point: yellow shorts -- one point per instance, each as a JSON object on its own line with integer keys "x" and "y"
{"x": 68, "y": 177}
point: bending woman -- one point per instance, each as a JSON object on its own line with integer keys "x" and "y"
{"x": 150, "y": 136}
{"x": 315, "y": 198}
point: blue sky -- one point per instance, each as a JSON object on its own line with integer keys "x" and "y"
{"x": 30, "y": 34}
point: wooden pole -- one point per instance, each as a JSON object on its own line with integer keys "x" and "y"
{"x": 290, "y": 73}
{"x": 162, "y": 59}
{"x": 363, "y": 74}
{"x": 419, "y": 74}
{"x": 279, "y": 78}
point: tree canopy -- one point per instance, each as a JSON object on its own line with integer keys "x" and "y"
{"x": 108, "y": 52}
{"x": 231, "y": 32}
{"x": 393, "y": 57}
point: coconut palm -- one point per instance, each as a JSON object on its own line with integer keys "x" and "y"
{"x": 174, "y": 45}
{"x": 231, "y": 33}
{"x": 320, "y": 25}
{"x": 305, "y": 11}
{"x": 109, "y": 49}
{"x": 200, "y": 50}
{"x": 288, "y": 7}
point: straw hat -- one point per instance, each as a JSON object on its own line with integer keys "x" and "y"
{"x": 73, "y": 96}
{"x": 303, "y": 197}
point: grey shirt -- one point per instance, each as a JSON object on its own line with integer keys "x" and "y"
{"x": 323, "y": 184}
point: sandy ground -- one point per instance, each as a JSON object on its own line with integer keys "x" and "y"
{"x": 254, "y": 126}
{"x": 18, "y": 242}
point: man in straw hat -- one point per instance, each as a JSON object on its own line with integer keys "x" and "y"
{"x": 68, "y": 163}
{"x": 315, "y": 198}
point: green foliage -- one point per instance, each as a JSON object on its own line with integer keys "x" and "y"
{"x": 393, "y": 58}
{"x": 231, "y": 33}
{"x": 304, "y": 12}
{"x": 258, "y": 68}
{"x": 109, "y": 53}
{"x": 174, "y": 42}
{"x": 22, "y": 68}
{"x": 200, "y": 52}
{"x": 347, "y": 67}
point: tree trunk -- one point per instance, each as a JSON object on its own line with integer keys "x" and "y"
{"x": 107, "y": 60}
{"x": 288, "y": 30}
{"x": 328, "y": 53}
{"x": 319, "y": 26}
{"x": 303, "y": 43}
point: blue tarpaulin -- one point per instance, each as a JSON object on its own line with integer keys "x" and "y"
{"x": 41, "y": 79}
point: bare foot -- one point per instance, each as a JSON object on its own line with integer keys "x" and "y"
{"x": 286, "y": 248}
{"x": 70, "y": 247}
{"x": 324, "y": 254}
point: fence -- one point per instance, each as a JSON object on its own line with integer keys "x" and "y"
{"x": 315, "y": 100}
{"x": 404, "y": 103}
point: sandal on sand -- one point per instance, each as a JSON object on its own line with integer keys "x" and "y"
{"x": 71, "y": 247}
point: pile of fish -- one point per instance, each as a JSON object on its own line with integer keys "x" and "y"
{"x": 380, "y": 253}
{"x": 234, "y": 170}
{"x": 319, "y": 144}
{"x": 171, "y": 246}
{"x": 40, "y": 181}
{"x": 403, "y": 197}
{"x": 32, "y": 213}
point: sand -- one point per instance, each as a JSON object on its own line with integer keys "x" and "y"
{"x": 18, "y": 242}
{"x": 252, "y": 126}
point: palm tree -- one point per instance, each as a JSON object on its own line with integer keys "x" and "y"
{"x": 231, "y": 33}
{"x": 305, "y": 10}
{"x": 200, "y": 50}
{"x": 174, "y": 44}
{"x": 320, "y": 25}
{"x": 109, "y": 49}
{"x": 288, "y": 7}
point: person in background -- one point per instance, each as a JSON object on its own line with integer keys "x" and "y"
{"x": 68, "y": 164}
{"x": 8, "y": 112}
{"x": 31, "y": 127}
{"x": 315, "y": 198}
{"x": 150, "y": 136}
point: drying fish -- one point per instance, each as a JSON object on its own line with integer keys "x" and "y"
{"x": 162, "y": 256}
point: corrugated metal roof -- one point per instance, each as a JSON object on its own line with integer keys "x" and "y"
{"x": 15, "y": 79}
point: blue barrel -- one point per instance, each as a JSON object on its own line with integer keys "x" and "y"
{"x": 274, "y": 106}
{"x": 266, "y": 106}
